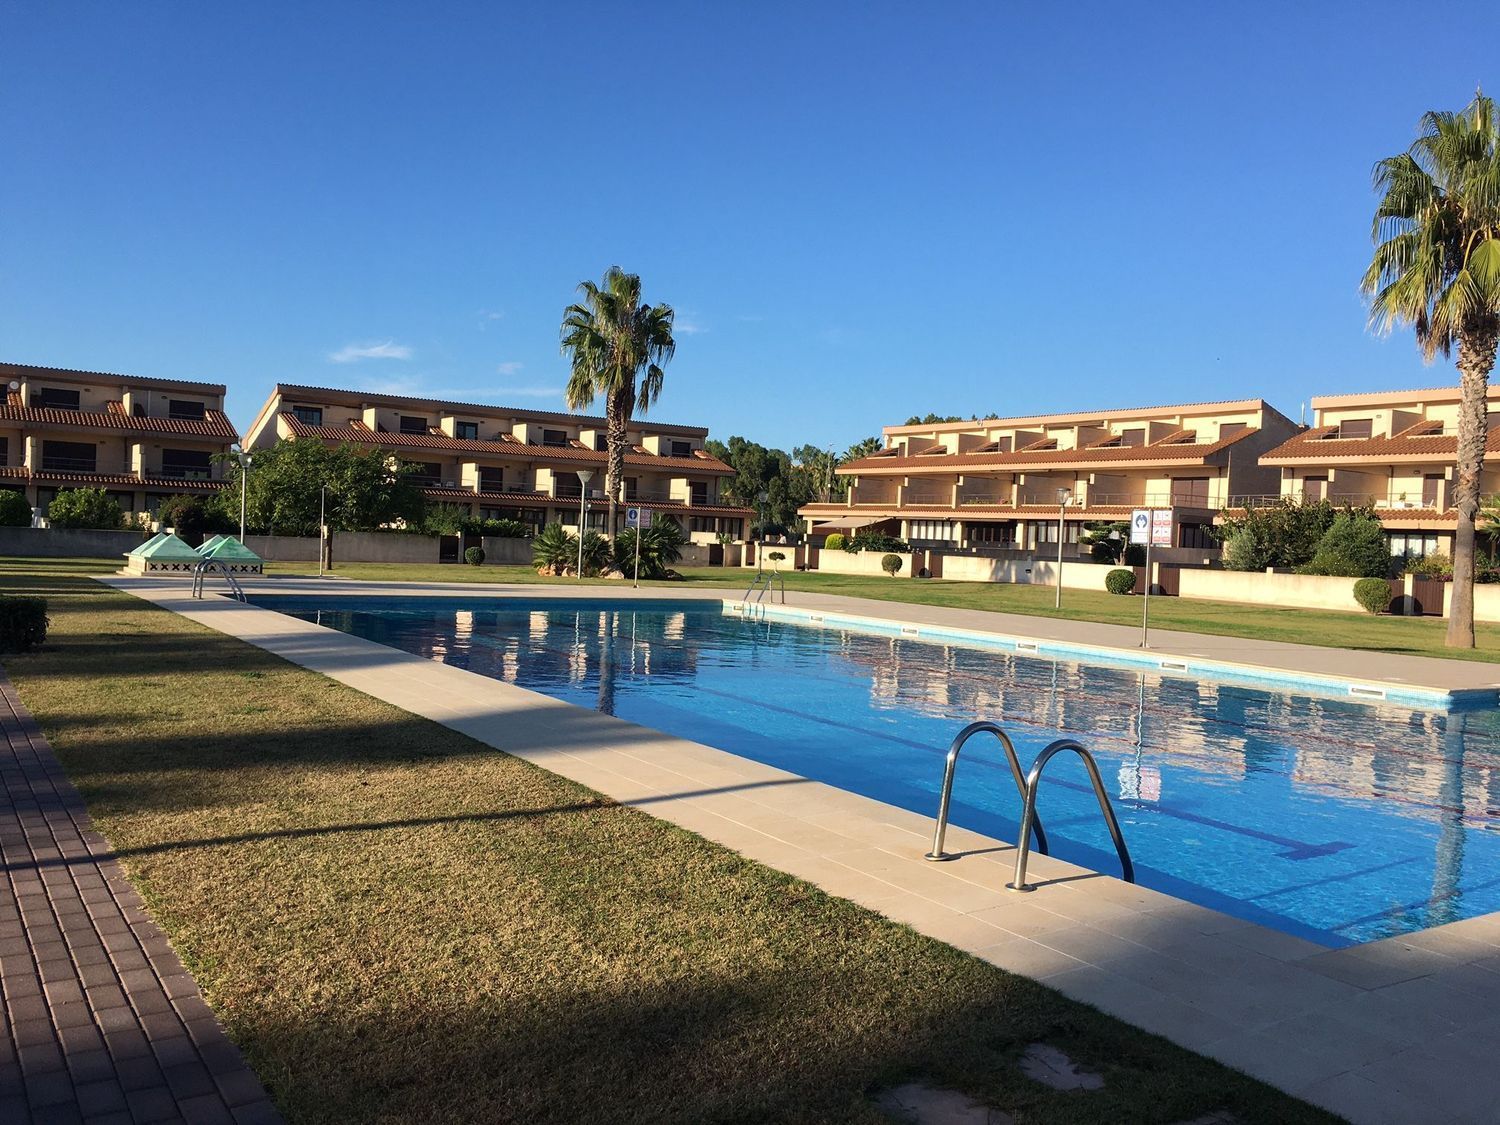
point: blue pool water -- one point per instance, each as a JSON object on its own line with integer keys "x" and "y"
{"x": 1337, "y": 821}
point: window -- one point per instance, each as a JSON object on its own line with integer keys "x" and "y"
{"x": 1135, "y": 436}
{"x": 1356, "y": 428}
{"x": 191, "y": 464}
{"x": 4, "y": 451}
{"x": 185, "y": 410}
{"x": 1003, "y": 445}
{"x": 1432, "y": 490}
{"x": 698, "y": 491}
{"x": 426, "y": 473}
{"x": 1229, "y": 429}
{"x": 992, "y": 534}
{"x": 1314, "y": 489}
{"x": 467, "y": 431}
{"x": 1190, "y": 492}
{"x": 308, "y": 415}
{"x": 1046, "y": 532}
{"x": 55, "y": 398}
{"x": 934, "y": 531}
{"x": 1196, "y": 535}
{"x": 555, "y": 437}
{"x": 601, "y": 443}
{"x": 68, "y": 457}
{"x": 491, "y": 480}
{"x": 1412, "y": 545}
{"x": 413, "y": 425}
{"x": 632, "y": 487}
{"x": 682, "y": 449}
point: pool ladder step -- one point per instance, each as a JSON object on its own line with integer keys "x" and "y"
{"x": 1031, "y": 824}
{"x": 760, "y": 586}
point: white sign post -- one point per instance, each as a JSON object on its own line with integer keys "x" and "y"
{"x": 638, "y": 518}
{"x": 1150, "y": 527}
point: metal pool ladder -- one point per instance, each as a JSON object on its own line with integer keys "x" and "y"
{"x": 207, "y": 565}
{"x": 762, "y": 582}
{"x": 1031, "y": 823}
{"x": 963, "y": 736}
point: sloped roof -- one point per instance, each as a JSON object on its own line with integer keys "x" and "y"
{"x": 168, "y": 548}
{"x": 1163, "y": 451}
{"x": 149, "y": 542}
{"x": 228, "y": 549}
{"x": 1413, "y": 444}
{"x": 29, "y": 371}
{"x": 359, "y": 433}
{"x": 213, "y": 425}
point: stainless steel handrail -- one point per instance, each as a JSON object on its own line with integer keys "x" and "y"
{"x": 937, "y": 854}
{"x": 1028, "y": 813}
{"x": 206, "y": 565}
{"x": 767, "y": 577}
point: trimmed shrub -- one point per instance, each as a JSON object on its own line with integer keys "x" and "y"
{"x": 84, "y": 507}
{"x": 874, "y": 541}
{"x": 23, "y": 623}
{"x": 14, "y": 511}
{"x": 834, "y": 542}
{"x": 891, "y": 564}
{"x": 776, "y": 556}
{"x": 498, "y": 529}
{"x": 1120, "y": 581}
{"x": 474, "y": 556}
{"x": 1373, "y": 593}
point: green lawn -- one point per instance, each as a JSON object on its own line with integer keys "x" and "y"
{"x": 1421, "y": 636}
{"x": 399, "y": 924}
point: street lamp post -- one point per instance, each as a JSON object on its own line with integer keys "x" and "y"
{"x": 244, "y": 459}
{"x": 1062, "y": 511}
{"x": 584, "y": 476}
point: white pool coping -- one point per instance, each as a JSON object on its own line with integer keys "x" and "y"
{"x": 1400, "y": 1030}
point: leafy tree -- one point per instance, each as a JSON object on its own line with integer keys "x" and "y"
{"x": 367, "y": 488}
{"x": 195, "y": 518}
{"x": 1106, "y": 550}
{"x": 1437, "y": 268}
{"x": 1282, "y": 535}
{"x": 14, "y": 509}
{"x": 446, "y": 519}
{"x": 84, "y": 507}
{"x": 618, "y": 346}
{"x": 865, "y": 447}
{"x": 819, "y": 467}
{"x": 1354, "y": 546}
{"x": 934, "y": 419}
{"x": 769, "y": 473}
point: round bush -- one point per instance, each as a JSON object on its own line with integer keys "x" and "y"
{"x": 23, "y": 623}
{"x": 14, "y": 510}
{"x": 474, "y": 556}
{"x": 834, "y": 542}
{"x": 1120, "y": 581}
{"x": 891, "y": 564}
{"x": 776, "y": 556}
{"x": 1373, "y": 593}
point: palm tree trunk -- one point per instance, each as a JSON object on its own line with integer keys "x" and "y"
{"x": 1476, "y": 358}
{"x": 618, "y": 413}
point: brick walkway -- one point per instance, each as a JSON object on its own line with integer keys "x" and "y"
{"x": 103, "y": 1024}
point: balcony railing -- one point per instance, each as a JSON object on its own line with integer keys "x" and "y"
{"x": 183, "y": 472}
{"x": 984, "y": 498}
{"x": 861, "y": 495}
{"x": 1381, "y": 501}
{"x": 69, "y": 465}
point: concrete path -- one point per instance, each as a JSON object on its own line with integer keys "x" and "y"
{"x": 1395, "y": 1031}
{"x": 103, "y": 1024}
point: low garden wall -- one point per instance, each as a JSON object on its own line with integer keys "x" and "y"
{"x": 61, "y": 542}
{"x": 505, "y": 552}
{"x": 1301, "y": 591}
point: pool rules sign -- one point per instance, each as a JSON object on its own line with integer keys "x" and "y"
{"x": 640, "y": 519}
{"x": 1149, "y": 527}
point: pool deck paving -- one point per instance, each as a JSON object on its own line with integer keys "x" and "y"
{"x": 103, "y": 1023}
{"x": 1399, "y": 1030}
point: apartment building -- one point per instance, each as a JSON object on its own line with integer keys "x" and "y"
{"x": 1395, "y": 450}
{"x": 510, "y": 463}
{"x": 140, "y": 439}
{"x": 1007, "y": 483}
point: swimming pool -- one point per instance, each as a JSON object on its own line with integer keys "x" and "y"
{"x": 1337, "y": 821}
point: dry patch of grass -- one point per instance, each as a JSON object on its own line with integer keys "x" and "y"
{"x": 399, "y": 924}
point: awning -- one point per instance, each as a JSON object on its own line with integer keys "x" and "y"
{"x": 846, "y": 526}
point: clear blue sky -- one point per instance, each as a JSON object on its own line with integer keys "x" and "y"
{"x": 859, "y": 211}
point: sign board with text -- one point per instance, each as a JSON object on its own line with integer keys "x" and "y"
{"x": 638, "y": 517}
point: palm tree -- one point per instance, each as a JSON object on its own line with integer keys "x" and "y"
{"x": 618, "y": 345}
{"x": 1437, "y": 268}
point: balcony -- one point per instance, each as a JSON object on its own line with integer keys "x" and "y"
{"x": 929, "y": 495}
{"x": 72, "y": 465}
{"x": 973, "y": 496}
{"x": 883, "y": 493}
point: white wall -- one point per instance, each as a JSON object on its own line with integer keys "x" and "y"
{"x": 1305, "y": 591}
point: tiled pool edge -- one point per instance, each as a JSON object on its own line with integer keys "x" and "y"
{"x": 1389, "y": 1031}
{"x": 1161, "y": 662}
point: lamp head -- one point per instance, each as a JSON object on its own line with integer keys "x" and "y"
{"x": 585, "y": 475}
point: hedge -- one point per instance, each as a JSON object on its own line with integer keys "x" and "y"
{"x": 23, "y": 623}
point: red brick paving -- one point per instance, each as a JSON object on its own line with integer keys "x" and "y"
{"x": 102, "y": 1022}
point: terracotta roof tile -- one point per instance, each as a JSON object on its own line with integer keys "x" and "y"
{"x": 360, "y": 433}
{"x": 213, "y": 424}
{"x": 1410, "y": 445}
{"x": 30, "y": 371}
{"x": 97, "y": 480}
{"x": 1033, "y": 457}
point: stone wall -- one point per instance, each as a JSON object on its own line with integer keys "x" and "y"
{"x": 58, "y": 542}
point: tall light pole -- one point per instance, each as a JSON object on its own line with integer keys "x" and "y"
{"x": 244, "y": 459}
{"x": 584, "y": 476}
{"x": 1062, "y": 511}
